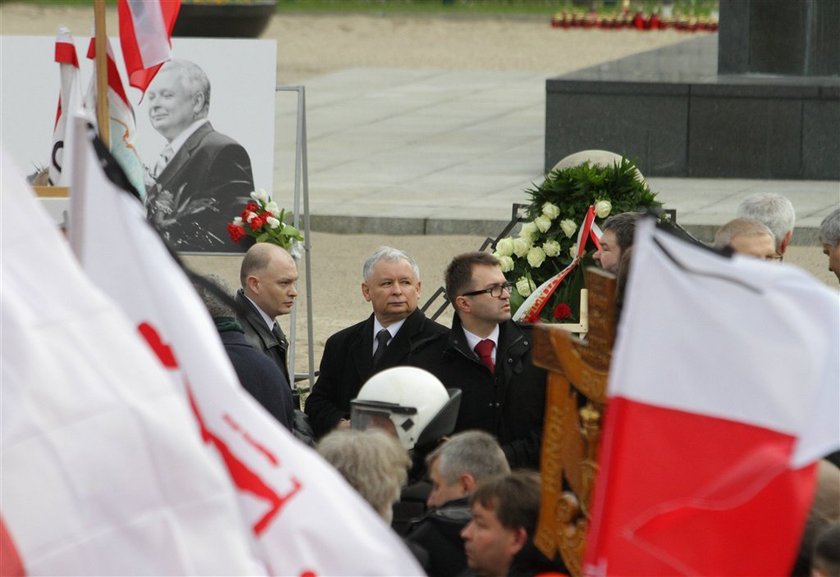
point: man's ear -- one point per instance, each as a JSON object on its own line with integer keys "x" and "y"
{"x": 520, "y": 537}
{"x": 253, "y": 284}
{"x": 462, "y": 304}
{"x": 198, "y": 102}
{"x": 467, "y": 483}
{"x": 785, "y": 242}
{"x": 366, "y": 291}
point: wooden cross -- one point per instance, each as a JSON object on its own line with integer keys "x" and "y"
{"x": 575, "y": 401}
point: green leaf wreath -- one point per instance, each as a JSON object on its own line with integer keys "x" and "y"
{"x": 547, "y": 242}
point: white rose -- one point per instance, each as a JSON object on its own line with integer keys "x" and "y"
{"x": 568, "y": 227}
{"x": 250, "y": 216}
{"x": 551, "y": 248}
{"x": 529, "y": 231}
{"x": 525, "y": 286}
{"x": 521, "y": 246}
{"x": 552, "y": 211}
{"x": 573, "y": 250}
{"x": 260, "y": 195}
{"x": 505, "y": 247}
{"x": 543, "y": 223}
{"x": 237, "y": 221}
{"x": 506, "y": 263}
{"x": 603, "y": 208}
{"x": 536, "y": 257}
{"x": 273, "y": 208}
{"x": 272, "y": 222}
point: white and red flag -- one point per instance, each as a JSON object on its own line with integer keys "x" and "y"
{"x": 122, "y": 125}
{"x": 723, "y": 395}
{"x": 304, "y": 517}
{"x": 103, "y": 472}
{"x": 70, "y": 94}
{"x": 145, "y": 32}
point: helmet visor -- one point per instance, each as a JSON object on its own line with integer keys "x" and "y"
{"x": 386, "y": 416}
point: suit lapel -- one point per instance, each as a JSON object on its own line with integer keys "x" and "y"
{"x": 183, "y": 155}
{"x": 361, "y": 350}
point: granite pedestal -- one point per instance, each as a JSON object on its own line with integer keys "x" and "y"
{"x": 671, "y": 112}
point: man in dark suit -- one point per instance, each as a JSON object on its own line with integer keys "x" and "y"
{"x": 203, "y": 178}
{"x": 257, "y": 374}
{"x": 389, "y": 337}
{"x": 268, "y": 276}
{"x": 488, "y": 357}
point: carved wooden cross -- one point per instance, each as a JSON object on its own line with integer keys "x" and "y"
{"x": 575, "y": 400}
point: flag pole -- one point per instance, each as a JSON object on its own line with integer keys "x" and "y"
{"x": 102, "y": 117}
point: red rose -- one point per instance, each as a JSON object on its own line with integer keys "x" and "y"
{"x": 562, "y": 311}
{"x": 236, "y": 232}
{"x": 252, "y": 207}
{"x": 256, "y": 223}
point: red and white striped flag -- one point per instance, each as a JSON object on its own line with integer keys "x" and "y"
{"x": 723, "y": 395}
{"x": 65, "y": 55}
{"x": 122, "y": 125}
{"x": 305, "y": 518}
{"x": 145, "y": 32}
{"x": 103, "y": 469}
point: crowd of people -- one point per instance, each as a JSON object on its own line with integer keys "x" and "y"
{"x": 439, "y": 428}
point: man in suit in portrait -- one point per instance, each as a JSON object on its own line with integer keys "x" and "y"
{"x": 389, "y": 337}
{"x": 202, "y": 178}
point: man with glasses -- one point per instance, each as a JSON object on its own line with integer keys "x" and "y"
{"x": 488, "y": 357}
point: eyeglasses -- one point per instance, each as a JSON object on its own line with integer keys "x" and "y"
{"x": 494, "y": 291}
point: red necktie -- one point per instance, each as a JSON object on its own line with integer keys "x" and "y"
{"x": 484, "y": 349}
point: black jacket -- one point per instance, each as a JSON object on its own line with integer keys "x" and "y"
{"x": 257, "y": 374}
{"x": 260, "y": 336}
{"x": 509, "y": 403}
{"x": 347, "y": 364}
{"x": 438, "y": 532}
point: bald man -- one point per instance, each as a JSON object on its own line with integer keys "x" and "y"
{"x": 268, "y": 275}
{"x": 749, "y": 237}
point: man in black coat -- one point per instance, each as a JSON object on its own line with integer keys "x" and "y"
{"x": 455, "y": 469}
{"x": 256, "y": 372}
{"x": 390, "y": 337}
{"x": 203, "y": 178}
{"x": 488, "y": 357}
{"x": 268, "y": 276}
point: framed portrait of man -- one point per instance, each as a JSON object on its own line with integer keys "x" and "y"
{"x": 205, "y": 128}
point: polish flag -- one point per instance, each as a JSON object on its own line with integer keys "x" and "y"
{"x": 305, "y": 519}
{"x": 145, "y": 32}
{"x": 103, "y": 472}
{"x": 723, "y": 395}
{"x": 65, "y": 56}
{"x": 122, "y": 125}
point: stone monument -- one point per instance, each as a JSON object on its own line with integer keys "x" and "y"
{"x": 758, "y": 99}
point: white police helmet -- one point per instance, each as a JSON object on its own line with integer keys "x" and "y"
{"x": 409, "y": 402}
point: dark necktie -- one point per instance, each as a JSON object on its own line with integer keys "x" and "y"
{"x": 383, "y": 337}
{"x": 484, "y": 349}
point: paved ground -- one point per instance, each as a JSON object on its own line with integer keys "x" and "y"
{"x": 427, "y": 151}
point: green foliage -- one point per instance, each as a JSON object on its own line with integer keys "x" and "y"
{"x": 547, "y": 243}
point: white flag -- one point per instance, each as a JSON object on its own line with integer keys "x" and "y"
{"x": 102, "y": 470}
{"x": 69, "y": 96}
{"x": 305, "y": 517}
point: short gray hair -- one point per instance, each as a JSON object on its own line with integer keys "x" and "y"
{"x": 830, "y": 228}
{"x": 774, "y": 210}
{"x": 740, "y": 227}
{"x": 474, "y": 452}
{"x": 372, "y": 461}
{"x": 193, "y": 79}
{"x": 388, "y": 254}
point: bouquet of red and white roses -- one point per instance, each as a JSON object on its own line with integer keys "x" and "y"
{"x": 263, "y": 220}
